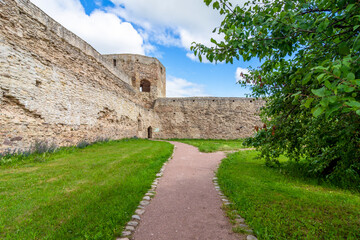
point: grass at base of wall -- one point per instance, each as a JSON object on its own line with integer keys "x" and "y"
{"x": 213, "y": 145}
{"x": 87, "y": 193}
{"x": 282, "y": 207}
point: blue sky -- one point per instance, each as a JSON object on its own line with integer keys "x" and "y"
{"x": 157, "y": 28}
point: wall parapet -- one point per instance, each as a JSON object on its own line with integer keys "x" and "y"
{"x": 207, "y": 99}
{"x": 69, "y": 37}
{"x": 142, "y": 58}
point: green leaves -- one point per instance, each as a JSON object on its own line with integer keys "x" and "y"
{"x": 350, "y": 76}
{"x": 332, "y": 109}
{"x": 207, "y": 2}
{"x": 353, "y": 103}
{"x": 213, "y": 41}
{"x": 216, "y": 5}
{"x": 349, "y": 7}
{"x": 309, "y": 73}
{"x": 337, "y": 72}
{"x": 318, "y": 111}
{"x": 308, "y": 102}
{"x": 323, "y": 25}
{"x": 307, "y": 78}
{"x": 344, "y": 49}
{"x": 322, "y": 92}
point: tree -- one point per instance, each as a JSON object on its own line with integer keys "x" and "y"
{"x": 309, "y": 76}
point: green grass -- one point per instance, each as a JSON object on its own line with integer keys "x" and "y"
{"x": 213, "y": 145}
{"x": 277, "y": 206}
{"x": 85, "y": 193}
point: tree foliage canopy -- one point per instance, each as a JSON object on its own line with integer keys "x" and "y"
{"x": 309, "y": 75}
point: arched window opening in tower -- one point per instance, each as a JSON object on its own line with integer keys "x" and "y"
{"x": 145, "y": 86}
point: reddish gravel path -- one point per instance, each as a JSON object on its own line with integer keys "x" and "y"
{"x": 186, "y": 205}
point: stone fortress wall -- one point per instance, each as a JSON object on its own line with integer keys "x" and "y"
{"x": 55, "y": 87}
{"x": 207, "y": 117}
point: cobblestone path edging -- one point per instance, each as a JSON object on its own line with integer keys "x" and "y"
{"x": 135, "y": 219}
{"x": 239, "y": 222}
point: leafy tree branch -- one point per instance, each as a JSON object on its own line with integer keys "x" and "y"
{"x": 309, "y": 75}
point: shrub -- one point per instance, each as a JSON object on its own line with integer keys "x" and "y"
{"x": 43, "y": 147}
{"x": 83, "y": 144}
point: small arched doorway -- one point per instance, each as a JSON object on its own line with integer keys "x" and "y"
{"x": 149, "y": 132}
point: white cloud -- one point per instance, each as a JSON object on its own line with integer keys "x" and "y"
{"x": 178, "y": 87}
{"x": 168, "y": 23}
{"x": 172, "y": 22}
{"x": 102, "y": 30}
{"x": 186, "y": 15}
{"x": 240, "y": 71}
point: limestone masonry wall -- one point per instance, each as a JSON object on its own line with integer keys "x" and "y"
{"x": 26, "y": 7}
{"x": 208, "y": 117}
{"x": 55, "y": 87}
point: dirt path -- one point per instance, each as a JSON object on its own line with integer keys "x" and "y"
{"x": 186, "y": 205}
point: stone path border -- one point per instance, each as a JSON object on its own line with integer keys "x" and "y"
{"x": 131, "y": 226}
{"x": 135, "y": 219}
{"x": 239, "y": 221}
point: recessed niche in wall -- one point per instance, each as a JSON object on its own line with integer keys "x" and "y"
{"x": 133, "y": 81}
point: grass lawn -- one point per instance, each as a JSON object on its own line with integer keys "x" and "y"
{"x": 280, "y": 207}
{"x": 213, "y": 145}
{"x": 85, "y": 193}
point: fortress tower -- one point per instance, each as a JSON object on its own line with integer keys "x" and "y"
{"x": 147, "y": 74}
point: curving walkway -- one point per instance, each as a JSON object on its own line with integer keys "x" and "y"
{"x": 186, "y": 205}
